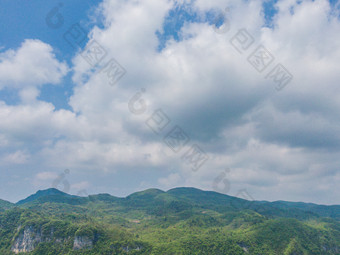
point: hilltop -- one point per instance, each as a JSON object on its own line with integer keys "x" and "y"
{"x": 177, "y": 221}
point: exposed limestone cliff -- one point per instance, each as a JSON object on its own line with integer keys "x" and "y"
{"x": 27, "y": 240}
{"x": 82, "y": 242}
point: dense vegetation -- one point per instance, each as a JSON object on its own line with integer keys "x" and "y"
{"x": 180, "y": 221}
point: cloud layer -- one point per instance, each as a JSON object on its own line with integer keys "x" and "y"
{"x": 278, "y": 145}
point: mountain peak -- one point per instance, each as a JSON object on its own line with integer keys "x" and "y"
{"x": 147, "y": 192}
{"x": 5, "y": 204}
{"x": 43, "y": 193}
{"x": 185, "y": 189}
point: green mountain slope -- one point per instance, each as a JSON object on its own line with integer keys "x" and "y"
{"x": 332, "y": 211}
{"x": 42, "y": 194}
{"x": 5, "y": 204}
{"x": 179, "y": 221}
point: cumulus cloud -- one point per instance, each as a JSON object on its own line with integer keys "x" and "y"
{"x": 221, "y": 101}
{"x": 18, "y": 157}
{"x": 279, "y": 145}
{"x": 46, "y": 176}
{"x": 31, "y": 65}
{"x": 171, "y": 181}
{"x": 81, "y": 185}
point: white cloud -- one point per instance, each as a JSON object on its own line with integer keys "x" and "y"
{"x": 212, "y": 92}
{"x": 18, "y": 157}
{"x": 46, "y": 176}
{"x": 172, "y": 181}
{"x": 33, "y": 64}
{"x": 80, "y": 185}
{"x": 44, "y": 180}
{"x": 279, "y": 145}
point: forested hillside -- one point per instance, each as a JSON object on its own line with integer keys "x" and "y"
{"x": 180, "y": 221}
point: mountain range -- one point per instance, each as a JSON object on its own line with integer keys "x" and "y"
{"x": 178, "y": 221}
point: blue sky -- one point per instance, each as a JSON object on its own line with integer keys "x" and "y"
{"x": 24, "y": 20}
{"x": 59, "y": 112}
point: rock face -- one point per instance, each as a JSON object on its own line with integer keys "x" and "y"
{"x": 30, "y": 237}
{"x": 26, "y": 241}
{"x": 128, "y": 248}
{"x": 82, "y": 242}
{"x": 334, "y": 249}
{"x": 244, "y": 247}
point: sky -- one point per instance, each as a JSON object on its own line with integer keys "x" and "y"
{"x": 240, "y": 97}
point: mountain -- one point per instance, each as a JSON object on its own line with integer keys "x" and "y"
{"x": 47, "y": 195}
{"x": 178, "y": 221}
{"x": 155, "y": 199}
{"x": 5, "y": 204}
{"x": 332, "y": 211}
